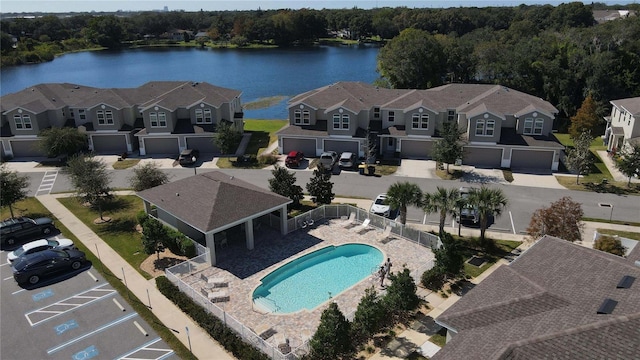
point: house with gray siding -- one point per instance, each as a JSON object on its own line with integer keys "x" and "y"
{"x": 623, "y": 125}
{"x": 159, "y": 117}
{"x": 503, "y": 127}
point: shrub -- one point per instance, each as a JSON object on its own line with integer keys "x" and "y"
{"x": 433, "y": 279}
{"x": 141, "y": 217}
{"x": 268, "y": 159}
{"x": 187, "y": 247}
{"x": 610, "y": 244}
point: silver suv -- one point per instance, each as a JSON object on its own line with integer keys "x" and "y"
{"x": 328, "y": 159}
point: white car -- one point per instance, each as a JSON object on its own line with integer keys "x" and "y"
{"x": 380, "y": 208}
{"x": 39, "y": 245}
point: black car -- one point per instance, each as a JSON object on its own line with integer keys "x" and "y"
{"x": 188, "y": 157}
{"x": 31, "y": 268}
{"x": 18, "y": 230}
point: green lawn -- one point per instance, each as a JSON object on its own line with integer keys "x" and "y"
{"x": 625, "y": 234}
{"x": 503, "y": 247}
{"x": 125, "y": 164}
{"x": 33, "y": 208}
{"x": 263, "y": 133}
{"x": 120, "y": 232}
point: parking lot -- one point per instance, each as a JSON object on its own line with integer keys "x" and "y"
{"x": 77, "y": 315}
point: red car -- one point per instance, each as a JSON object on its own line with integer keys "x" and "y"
{"x": 294, "y": 158}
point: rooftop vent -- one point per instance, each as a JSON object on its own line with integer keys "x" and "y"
{"x": 625, "y": 282}
{"x": 607, "y": 306}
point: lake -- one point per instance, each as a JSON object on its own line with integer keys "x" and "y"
{"x": 258, "y": 73}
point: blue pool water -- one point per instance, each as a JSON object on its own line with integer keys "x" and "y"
{"x": 307, "y": 281}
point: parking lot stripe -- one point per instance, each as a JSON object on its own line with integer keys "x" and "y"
{"x": 513, "y": 227}
{"x": 102, "y": 294}
{"x": 164, "y": 352}
{"x": 100, "y": 329}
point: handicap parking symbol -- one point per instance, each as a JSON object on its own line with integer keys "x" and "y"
{"x": 87, "y": 353}
{"x": 65, "y": 326}
{"x": 42, "y": 295}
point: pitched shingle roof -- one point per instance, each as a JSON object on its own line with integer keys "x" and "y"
{"x": 632, "y": 105}
{"x": 464, "y": 98}
{"x": 168, "y": 94}
{"x": 212, "y": 200}
{"x": 544, "y": 305}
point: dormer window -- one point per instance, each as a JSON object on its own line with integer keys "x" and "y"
{"x": 485, "y": 127}
{"x": 420, "y": 121}
{"x": 301, "y": 117}
{"x": 376, "y": 113}
{"x": 341, "y": 121}
{"x": 22, "y": 122}
{"x": 533, "y": 126}
{"x": 451, "y": 115}
{"x": 391, "y": 117}
{"x": 104, "y": 117}
{"x": 203, "y": 116}
{"x": 158, "y": 119}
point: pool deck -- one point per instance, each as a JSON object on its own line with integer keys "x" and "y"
{"x": 242, "y": 270}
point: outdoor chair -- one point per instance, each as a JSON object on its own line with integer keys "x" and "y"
{"x": 350, "y": 221}
{"x": 362, "y": 227}
{"x": 386, "y": 234}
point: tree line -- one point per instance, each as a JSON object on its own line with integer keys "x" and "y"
{"x": 557, "y": 53}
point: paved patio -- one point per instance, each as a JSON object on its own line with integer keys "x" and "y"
{"x": 242, "y": 270}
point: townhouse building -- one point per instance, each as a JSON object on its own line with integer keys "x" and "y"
{"x": 159, "y": 117}
{"x": 623, "y": 125}
{"x": 503, "y": 127}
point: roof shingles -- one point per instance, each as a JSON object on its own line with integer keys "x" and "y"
{"x": 212, "y": 200}
{"x": 543, "y": 305}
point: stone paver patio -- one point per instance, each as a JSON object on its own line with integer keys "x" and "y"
{"x": 242, "y": 269}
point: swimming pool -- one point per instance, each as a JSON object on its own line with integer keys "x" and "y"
{"x": 312, "y": 279}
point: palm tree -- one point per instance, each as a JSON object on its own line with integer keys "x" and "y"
{"x": 443, "y": 201}
{"x": 488, "y": 202}
{"x": 402, "y": 194}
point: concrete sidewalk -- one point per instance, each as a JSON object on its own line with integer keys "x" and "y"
{"x": 202, "y": 345}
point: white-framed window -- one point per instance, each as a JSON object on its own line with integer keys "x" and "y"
{"x": 485, "y": 127}
{"x": 22, "y": 122}
{"x": 203, "y": 116}
{"x": 376, "y": 113}
{"x": 199, "y": 116}
{"x": 341, "y": 122}
{"x": 302, "y": 117}
{"x": 158, "y": 119}
{"x": 538, "y": 126}
{"x": 528, "y": 126}
{"x": 420, "y": 121}
{"x": 82, "y": 113}
{"x": 533, "y": 126}
{"x": 451, "y": 115}
{"x": 104, "y": 117}
{"x": 392, "y": 116}
{"x": 490, "y": 127}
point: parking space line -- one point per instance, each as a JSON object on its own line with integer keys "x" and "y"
{"x": 53, "y": 310}
{"x": 513, "y": 227}
{"x": 5, "y": 279}
{"x": 164, "y": 353}
{"x": 100, "y": 329}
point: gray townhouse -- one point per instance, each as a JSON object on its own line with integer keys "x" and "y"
{"x": 159, "y": 117}
{"x": 504, "y": 127}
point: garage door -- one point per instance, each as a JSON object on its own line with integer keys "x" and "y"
{"x": 342, "y": 146}
{"x": 26, "y": 149}
{"x": 527, "y": 159}
{"x": 161, "y": 146}
{"x": 203, "y": 144}
{"x": 416, "y": 149}
{"x": 109, "y": 144}
{"x": 307, "y": 146}
{"x": 482, "y": 157}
